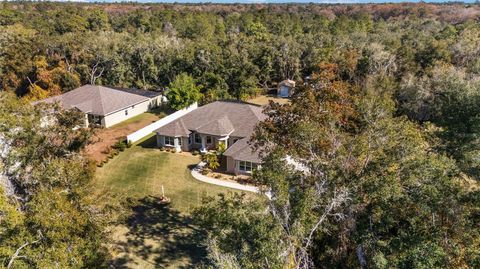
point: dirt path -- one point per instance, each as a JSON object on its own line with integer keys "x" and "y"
{"x": 105, "y": 138}
{"x": 263, "y": 100}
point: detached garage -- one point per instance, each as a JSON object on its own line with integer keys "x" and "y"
{"x": 107, "y": 106}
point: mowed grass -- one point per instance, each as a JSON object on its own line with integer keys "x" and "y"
{"x": 142, "y": 170}
{"x": 149, "y": 116}
{"x": 155, "y": 236}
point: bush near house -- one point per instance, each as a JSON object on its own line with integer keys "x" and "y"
{"x": 211, "y": 159}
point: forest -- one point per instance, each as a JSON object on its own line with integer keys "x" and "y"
{"x": 386, "y": 119}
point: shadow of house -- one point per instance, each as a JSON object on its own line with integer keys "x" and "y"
{"x": 148, "y": 143}
{"x": 174, "y": 235}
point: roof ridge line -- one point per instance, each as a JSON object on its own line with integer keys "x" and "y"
{"x": 101, "y": 98}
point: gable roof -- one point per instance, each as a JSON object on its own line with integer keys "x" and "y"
{"x": 242, "y": 151}
{"x": 99, "y": 100}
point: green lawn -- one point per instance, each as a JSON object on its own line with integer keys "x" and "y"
{"x": 155, "y": 236}
{"x": 149, "y": 116}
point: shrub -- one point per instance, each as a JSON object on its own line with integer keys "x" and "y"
{"x": 212, "y": 160}
{"x": 222, "y": 147}
{"x": 162, "y": 149}
{"x": 205, "y": 171}
{"x": 107, "y": 150}
{"x": 195, "y": 152}
{"x": 129, "y": 144}
{"x": 120, "y": 145}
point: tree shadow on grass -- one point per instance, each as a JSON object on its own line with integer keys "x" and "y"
{"x": 162, "y": 236}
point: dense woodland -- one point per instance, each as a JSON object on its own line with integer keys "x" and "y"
{"x": 386, "y": 122}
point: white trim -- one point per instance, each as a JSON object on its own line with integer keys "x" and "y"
{"x": 250, "y": 165}
{"x": 169, "y": 137}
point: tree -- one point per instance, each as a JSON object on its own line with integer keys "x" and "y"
{"x": 360, "y": 188}
{"x": 47, "y": 212}
{"x": 183, "y": 92}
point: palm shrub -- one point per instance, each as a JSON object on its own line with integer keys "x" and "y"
{"x": 211, "y": 159}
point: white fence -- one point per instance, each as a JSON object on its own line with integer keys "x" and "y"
{"x": 134, "y": 137}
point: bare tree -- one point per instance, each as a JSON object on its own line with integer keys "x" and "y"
{"x": 17, "y": 255}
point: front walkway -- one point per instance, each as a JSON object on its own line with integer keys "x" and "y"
{"x": 197, "y": 175}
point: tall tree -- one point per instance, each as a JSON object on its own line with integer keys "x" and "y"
{"x": 47, "y": 215}
{"x": 352, "y": 186}
{"x": 183, "y": 92}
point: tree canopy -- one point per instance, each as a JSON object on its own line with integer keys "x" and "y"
{"x": 367, "y": 189}
{"x": 183, "y": 92}
{"x": 47, "y": 215}
{"x": 383, "y": 129}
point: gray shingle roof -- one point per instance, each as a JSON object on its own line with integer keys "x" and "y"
{"x": 175, "y": 128}
{"x": 222, "y": 126}
{"x": 99, "y": 100}
{"x": 242, "y": 151}
{"x": 222, "y": 118}
{"x": 149, "y": 94}
{"x": 242, "y": 116}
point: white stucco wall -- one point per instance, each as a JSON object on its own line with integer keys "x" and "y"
{"x": 120, "y": 116}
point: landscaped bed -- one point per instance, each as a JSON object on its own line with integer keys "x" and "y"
{"x": 104, "y": 138}
{"x": 155, "y": 234}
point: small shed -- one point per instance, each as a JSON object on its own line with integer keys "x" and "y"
{"x": 286, "y": 88}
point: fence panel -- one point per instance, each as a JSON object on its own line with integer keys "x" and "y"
{"x": 134, "y": 137}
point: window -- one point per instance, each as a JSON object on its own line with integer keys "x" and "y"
{"x": 197, "y": 139}
{"x": 209, "y": 140}
{"x": 169, "y": 141}
{"x": 126, "y": 112}
{"x": 179, "y": 141}
{"x": 247, "y": 166}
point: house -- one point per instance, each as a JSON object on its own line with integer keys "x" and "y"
{"x": 286, "y": 88}
{"x": 221, "y": 122}
{"x": 107, "y": 106}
